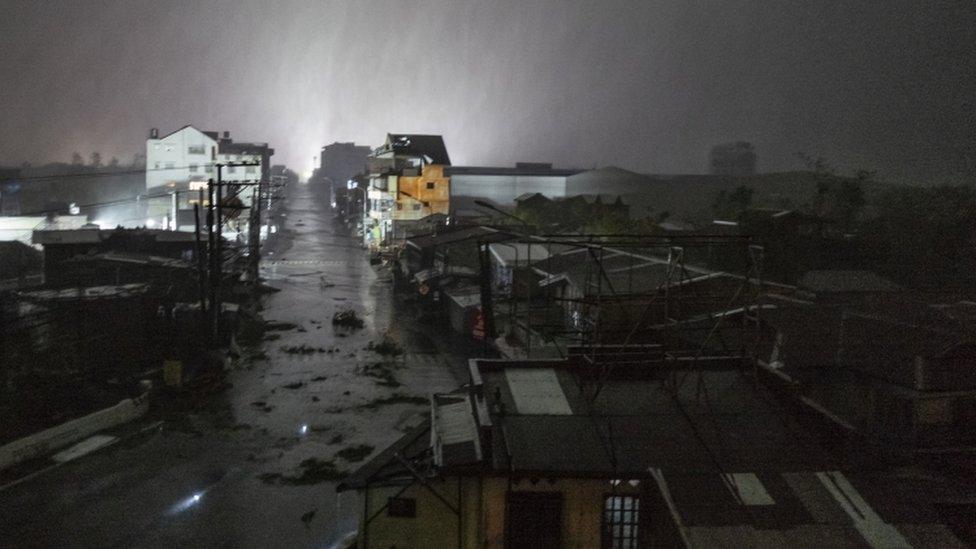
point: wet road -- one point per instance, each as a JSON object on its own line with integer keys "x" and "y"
{"x": 219, "y": 476}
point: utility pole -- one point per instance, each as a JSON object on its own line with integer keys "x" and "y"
{"x": 212, "y": 257}
{"x": 201, "y": 264}
{"x": 254, "y": 235}
{"x": 216, "y": 263}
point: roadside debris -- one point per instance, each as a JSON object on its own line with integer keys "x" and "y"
{"x": 356, "y": 453}
{"x": 382, "y": 372}
{"x": 303, "y": 350}
{"x": 307, "y": 517}
{"x": 386, "y": 347}
{"x": 313, "y": 471}
{"x": 273, "y": 326}
{"x": 263, "y": 406}
{"x": 347, "y": 318}
{"x": 395, "y": 398}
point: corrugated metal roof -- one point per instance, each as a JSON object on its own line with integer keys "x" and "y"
{"x": 537, "y": 391}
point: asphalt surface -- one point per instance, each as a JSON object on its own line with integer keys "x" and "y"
{"x": 218, "y": 475}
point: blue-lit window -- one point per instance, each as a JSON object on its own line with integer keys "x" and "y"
{"x": 620, "y": 517}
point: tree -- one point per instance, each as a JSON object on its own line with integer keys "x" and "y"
{"x": 76, "y": 159}
{"x": 818, "y": 164}
{"x": 850, "y": 201}
{"x": 736, "y": 158}
{"x": 113, "y": 163}
{"x": 730, "y": 205}
{"x": 95, "y": 160}
{"x": 138, "y": 160}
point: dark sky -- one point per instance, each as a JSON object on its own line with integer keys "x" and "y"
{"x": 646, "y": 85}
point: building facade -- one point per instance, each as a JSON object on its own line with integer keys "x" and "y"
{"x": 502, "y": 185}
{"x": 340, "y": 162}
{"x": 182, "y": 162}
{"x": 550, "y": 453}
{"x": 407, "y": 182}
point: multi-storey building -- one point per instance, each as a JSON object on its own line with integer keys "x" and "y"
{"x": 183, "y": 161}
{"x": 406, "y": 184}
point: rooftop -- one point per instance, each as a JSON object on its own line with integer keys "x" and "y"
{"x": 733, "y": 467}
{"x": 94, "y": 235}
{"x": 838, "y": 281}
{"x": 430, "y": 147}
{"x": 545, "y": 170}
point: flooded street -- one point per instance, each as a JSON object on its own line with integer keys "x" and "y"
{"x": 256, "y": 465}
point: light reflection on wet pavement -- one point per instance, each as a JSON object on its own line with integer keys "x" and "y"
{"x": 213, "y": 477}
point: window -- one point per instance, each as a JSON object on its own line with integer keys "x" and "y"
{"x": 208, "y": 168}
{"x": 193, "y": 167}
{"x": 431, "y": 185}
{"x": 620, "y": 522}
{"x": 401, "y": 507}
{"x": 195, "y": 149}
{"x": 416, "y": 207}
{"x": 231, "y": 169}
{"x": 249, "y": 169}
{"x": 170, "y": 165}
{"x": 399, "y": 205}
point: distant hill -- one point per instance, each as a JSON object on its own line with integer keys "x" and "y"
{"x": 691, "y": 196}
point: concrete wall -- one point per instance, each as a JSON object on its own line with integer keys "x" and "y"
{"x": 48, "y": 440}
{"x": 435, "y": 525}
{"x": 438, "y": 198}
{"x": 483, "y": 504}
{"x": 582, "y": 508}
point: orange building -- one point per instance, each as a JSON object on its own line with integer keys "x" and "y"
{"x": 422, "y": 195}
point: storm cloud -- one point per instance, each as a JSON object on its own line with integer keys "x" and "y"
{"x": 646, "y": 85}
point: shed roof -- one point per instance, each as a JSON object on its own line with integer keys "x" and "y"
{"x": 446, "y": 237}
{"x": 518, "y": 253}
{"x": 846, "y": 281}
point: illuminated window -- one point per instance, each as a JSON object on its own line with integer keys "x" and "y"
{"x": 620, "y": 522}
{"x": 431, "y": 185}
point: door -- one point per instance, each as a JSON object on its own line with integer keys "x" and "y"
{"x": 534, "y": 520}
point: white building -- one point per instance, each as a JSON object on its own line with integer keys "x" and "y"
{"x": 502, "y": 185}
{"x": 185, "y": 160}
{"x": 188, "y": 155}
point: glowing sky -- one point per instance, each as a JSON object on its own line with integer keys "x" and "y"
{"x": 646, "y": 85}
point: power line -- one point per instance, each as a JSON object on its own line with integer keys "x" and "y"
{"x": 117, "y": 172}
{"x": 102, "y": 204}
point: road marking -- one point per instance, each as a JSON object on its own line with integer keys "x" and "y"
{"x": 278, "y": 262}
